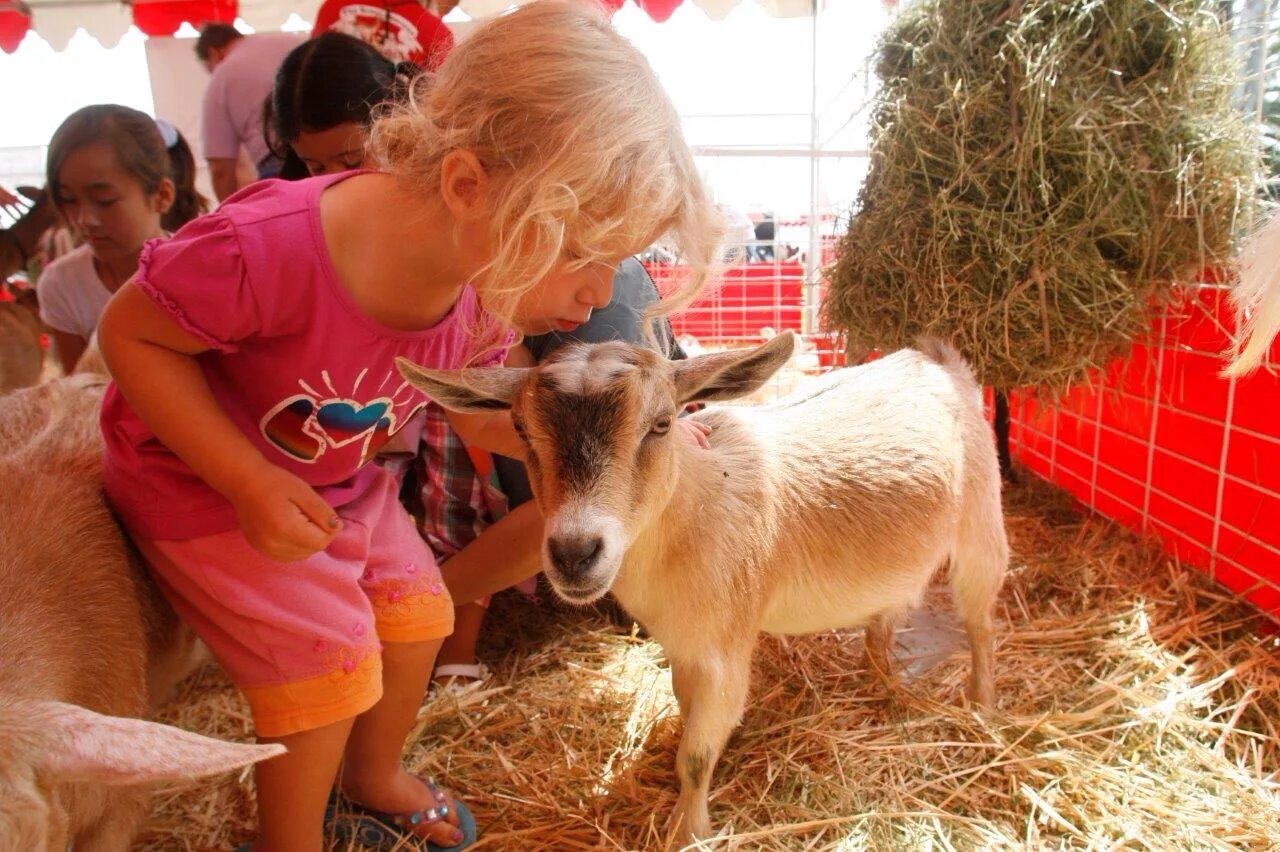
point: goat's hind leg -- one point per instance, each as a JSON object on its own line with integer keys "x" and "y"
{"x": 878, "y": 641}
{"x": 977, "y": 573}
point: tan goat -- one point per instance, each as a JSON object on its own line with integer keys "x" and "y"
{"x": 21, "y": 358}
{"x": 829, "y": 509}
{"x": 86, "y": 643}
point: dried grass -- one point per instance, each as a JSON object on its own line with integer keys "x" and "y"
{"x": 1137, "y": 708}
{"x": 1043, "y": 172}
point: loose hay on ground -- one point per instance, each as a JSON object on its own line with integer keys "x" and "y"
{"x": 1136, "y": 710}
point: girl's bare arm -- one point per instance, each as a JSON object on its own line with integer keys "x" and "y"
{"x": 152, "y": 360}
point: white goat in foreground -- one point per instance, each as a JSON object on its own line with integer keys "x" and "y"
{"x": 829, "y": 509}
{"x": 86, "y": 643}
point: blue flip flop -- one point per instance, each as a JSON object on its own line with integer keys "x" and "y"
{"x": 351, "y": 821}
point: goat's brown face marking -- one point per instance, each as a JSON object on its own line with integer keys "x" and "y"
{"x": 588, "y": 417}
{"x": 582, "y": 429}
{"x": 588, "y": 410}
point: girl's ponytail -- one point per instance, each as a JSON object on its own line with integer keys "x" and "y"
{"x": 188, "y": 203}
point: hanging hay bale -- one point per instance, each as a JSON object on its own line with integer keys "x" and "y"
{"x": 1042, "y": 173}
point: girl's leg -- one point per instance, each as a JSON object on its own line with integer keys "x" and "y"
{"x": 299, "y": 640}
{"x": 373, "y": 774}
{"x": 293, "y": 788}
{"x": 460, "y": 647}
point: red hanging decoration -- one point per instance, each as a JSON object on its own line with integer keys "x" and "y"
{"x": 659, "y": 10}
{"x": 612, "y": 5}
{"x": 164, "y": 17}
{"x": 15, "y": 23}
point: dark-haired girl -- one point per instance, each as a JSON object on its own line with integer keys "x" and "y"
{"x": 119, "y": 178}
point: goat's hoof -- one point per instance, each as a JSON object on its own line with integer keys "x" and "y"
{"x": 883, "y": 684}
{"x": 983, "y": 704}
{"x": 888, "y": 684}
{"x": 981, "y": 694}
{"x": 684, "y": 829}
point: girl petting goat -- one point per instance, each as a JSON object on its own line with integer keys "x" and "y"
{"x": 254, "y": 383}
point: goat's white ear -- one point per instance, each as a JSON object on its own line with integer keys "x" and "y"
{"x": 729, "y": 375}
{"x": 473, "y": 390}
{"x": 116, "y": 750}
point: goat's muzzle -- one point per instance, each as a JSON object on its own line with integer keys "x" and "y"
{"x": 582, "y": 552}
{"x": 574, "y": 556}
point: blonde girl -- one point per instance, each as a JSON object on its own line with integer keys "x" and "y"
{"x": 253, "y": 359}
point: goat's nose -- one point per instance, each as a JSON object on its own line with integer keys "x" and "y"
{"x": 573, "y": 556}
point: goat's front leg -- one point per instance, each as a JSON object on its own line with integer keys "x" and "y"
{"x": 712, "y": 692}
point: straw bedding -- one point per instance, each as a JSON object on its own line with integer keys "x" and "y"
{"x": 1137, "y": 705}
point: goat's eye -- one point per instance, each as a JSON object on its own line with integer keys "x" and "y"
{"x": 518, "y": 425}
{"x": 661, "y": 426}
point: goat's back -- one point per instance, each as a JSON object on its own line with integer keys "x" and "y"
{"x": 78, "y": 619}
{"x": 87, "y": 645}
{"x": 841, "y": 500}
{"x": 905, "y": 431}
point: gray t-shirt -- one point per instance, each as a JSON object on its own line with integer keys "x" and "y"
{"x": 633, "y": 293}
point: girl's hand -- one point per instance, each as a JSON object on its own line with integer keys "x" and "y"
{"x": 696, "y": 431}
{"x": 283, "y": 517}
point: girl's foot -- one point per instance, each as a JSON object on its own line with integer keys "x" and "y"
{"x": 409, "y": 805}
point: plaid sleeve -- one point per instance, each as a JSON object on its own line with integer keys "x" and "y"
{"x": 457, "y": 503}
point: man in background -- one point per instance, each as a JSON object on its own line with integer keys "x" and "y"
{"x": 243, "y": 70}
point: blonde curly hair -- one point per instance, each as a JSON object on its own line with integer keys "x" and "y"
{"x": 582, "y": 145}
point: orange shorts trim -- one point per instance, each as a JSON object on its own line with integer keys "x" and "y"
{"x": 413, "y": 618}
{"x": 305, "y": 705}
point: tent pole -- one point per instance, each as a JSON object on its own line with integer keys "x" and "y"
{"x": 813, "y": 261}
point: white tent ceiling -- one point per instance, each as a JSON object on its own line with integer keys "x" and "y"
{"x": 56, "y": 21}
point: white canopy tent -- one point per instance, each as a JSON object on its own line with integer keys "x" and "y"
{"x": 56, "y": 21}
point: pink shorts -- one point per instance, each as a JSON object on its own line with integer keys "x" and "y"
{"x": 302, "y": 639}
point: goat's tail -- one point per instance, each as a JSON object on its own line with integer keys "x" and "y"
{"x": 939, "y": 350}
{"x": 945, "y": 355}
{"x": 1258, "y": 292}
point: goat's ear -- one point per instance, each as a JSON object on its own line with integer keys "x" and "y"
{"x": 481, "y": 389}
{"x": 729, "y": 375}
{"x": 115, "y": 750}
